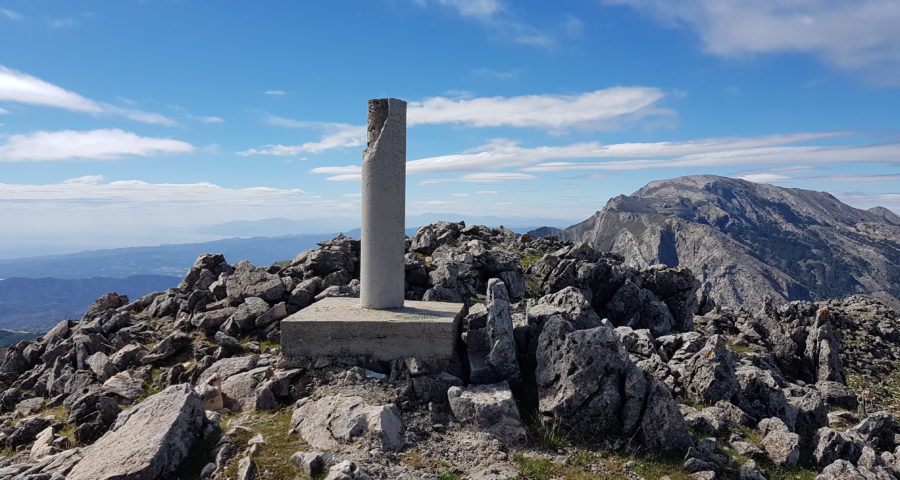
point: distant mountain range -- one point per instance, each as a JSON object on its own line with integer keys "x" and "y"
{"x": 36, "y": 304}
{"x": 747, "y": 241}
{"x": 12, "y": 337}
{"x": 38, "y": 292}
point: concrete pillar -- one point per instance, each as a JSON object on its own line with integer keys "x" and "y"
{"x": 382, "y": 273}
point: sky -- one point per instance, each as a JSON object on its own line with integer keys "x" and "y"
{"x": 129, "y": 122}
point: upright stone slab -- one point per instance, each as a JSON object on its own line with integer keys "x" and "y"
{"x": 383, "y": 206}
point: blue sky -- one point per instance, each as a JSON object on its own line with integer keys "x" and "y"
{"x": 145, "y": 122}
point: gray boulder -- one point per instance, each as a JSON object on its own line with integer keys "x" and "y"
{"x": 246, "y": 314}
{"x": 832, "y": 445}
{"x": 227, "y": 367}
{"x": 246, "y": 391}
{"x": 588, "y": 383}
{"x": 782, "y": 447}
{"x": 125, "y": 384}
{"x": 249, "y": 281}
{"x": 708, "y": 375}
{"x": 169, "y": 346}
{"x": 332, "y": 422}
{"x": 844, "y": 470}
{"x": 347, "y": 470}
{"x": 147, "y": 441}
{"x": 491, "y": 407}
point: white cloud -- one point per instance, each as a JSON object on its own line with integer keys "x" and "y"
{"x": 887, "y": 153}
{"x": 276, "y": 93}
{"x": 474, "y": 8}
{"x": 4, "y": 111}
{"x": 351, "y": 195}
{"x": 62, "y": 22}
{"x": 211, "y": 119}
{"x": 90, "y": 190}
{"x": 487, "y": 192}
{"x": 340, "y": 135}
{"x": 11, "y": 14}
{"x": 855, "y": 35}
{"x": 459, "y": 194}
{"x": 20, "y": 87}
{"x": 773, "y": 177}
{"x": 869, "y": 200}
{"x": 497, "y": 74}
{"x": 497, "y": 20}
{"x": 85, "y": 180}
{"x": 486, "y": 177}
{"x": 92, "y": 144}
{"x": 598, "y": 109}
{"x": 504, "y": 153}
{"x": 605, "y": 108}
{"x": 348, "y": 177}
{"x": 88, "y": 213}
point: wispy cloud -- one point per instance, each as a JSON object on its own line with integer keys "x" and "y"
{"x": 276, "y": 93}
{"x": 85, "y": 180}
{"x": 338, "y": 135}
{"x": 11, "y": 14}
{"x": 4, "y": 111}
{"x": 486, "y": 177}
{"x": 20, "y": 87}
{"x": 210, "y": 119}
{"x": 90, "y": 190}
{"x": 607, "y": 108}
{"x": 498, "y": 21}
{"x": 504, "y": 153}
{"x": 497, "y": 74}
{"x": 104, "y": 144}
{"x": 91, "y": 213}
{"x": 66, "y": 22}
{"x": 860, "y": 36}
{"x": 773, "y": 176}
{"x": 604, "y": 108}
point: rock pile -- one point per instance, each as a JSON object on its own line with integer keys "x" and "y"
{"x": 557, "y": 338}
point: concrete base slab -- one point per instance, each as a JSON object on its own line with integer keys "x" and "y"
{"x": 340, "y": 327}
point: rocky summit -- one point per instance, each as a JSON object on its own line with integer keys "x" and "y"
{"x": 747, "y": 242}
{"x": 572, "y": 363}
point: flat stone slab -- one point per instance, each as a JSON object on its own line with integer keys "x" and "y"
{"x": 340, "y": 327}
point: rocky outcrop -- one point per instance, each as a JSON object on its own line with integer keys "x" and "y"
{"x": 588, "y": 383}
{"x": 147, "y": 441}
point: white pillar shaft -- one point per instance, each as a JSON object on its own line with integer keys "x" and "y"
{"x": 382, "y": 274}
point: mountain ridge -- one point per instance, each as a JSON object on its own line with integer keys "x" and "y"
{"x": 750, "y": 242}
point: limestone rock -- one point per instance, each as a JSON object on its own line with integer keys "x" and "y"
{"x": 148, "y": 440}
{"x": 246, "y": 392}
{"x": 346, "y": 470}
{"x": 491, "y": 407}
{"x": 227, "y": 367}
{"x": 125, "y": 384}
{"x": 502, "y": 354}
{"x": 169, "y": 346}
{"x": 783, "y": 448}
{"x": 708, "y": 375}
{"x": 246, "y": 469}
{"x": 249, "y": 281}
{"x": 587, "y": 382}
{"x": 312, "y": 463}
{"x": 334, "y": 421}
{"x": 43, "y": 445}
{"x": 832, "y": 445}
